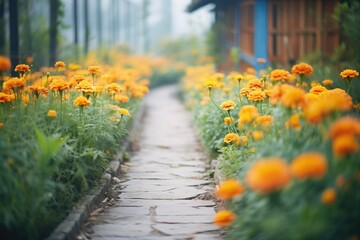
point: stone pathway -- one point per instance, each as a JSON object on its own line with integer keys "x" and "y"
{"x": 161, "y": 194}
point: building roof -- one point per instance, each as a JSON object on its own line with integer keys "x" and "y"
{"x": 196, "y": 4}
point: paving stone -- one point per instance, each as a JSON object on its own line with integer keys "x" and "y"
{"x": 157, "y": 195}
{"x": 181, "y": 229}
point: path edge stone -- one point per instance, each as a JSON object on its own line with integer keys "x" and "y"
{"x": 71, "y": 226}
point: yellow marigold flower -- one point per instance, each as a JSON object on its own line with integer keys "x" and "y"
{"x": 293, "y": 122}
{"x": 4, "y": 98}
{"x": 85, "y": 86}
{"x": 74, "y": 67}
{"x": 60, "y": 64}
{"x": 349, "y": 74}
{"x": 268, "y": 175}
{"x": 293, "y": 97}
{"x": 81, "y": 102}
{"x": 345, "y": 144}
{"x": 247, "y": 114}
{"x": 227, "y": 105}
{"x": 210, "y": 83}
{"x": 224, "y": 218}
{"x": 302, "y": 69}
{"x": 231, "y": 137}
{"x": 25, "y": 98}
{"x": 279, "y": 75}
{"x": 327, "y": 82}
{"x": 94, "y": 70}
{"x": 2, "y": 124}
{"x": 52, "y": 113}
{"x": 346, "y": 125}
{"x": 328, "y": 196}
{"x": 5, "y": 63}
{"x": 317, "y": 89}
{"x": 256, "y": 95}
{"x": 309, "y": 165}
{"x": 242, "y": 140}
{"x": 59, "y": 85}
{"x": 228, "y": 120}
{"x": 238, "y": 77}
{"x": 121, "y": 98}
{"x": 124, "y": 111}
{"x": 265, "y": 120}
{"x": 257, "y": 135}
{"x": 22, "y": 68}
{"x": 229, "y": 189}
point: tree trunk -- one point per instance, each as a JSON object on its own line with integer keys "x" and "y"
{"x": 99, "y": 23}
{"x": 86, "y": 26}
{"x": 2, "y": 27}
{"x": 14, "y": 33}
{"x": 76, "y": 28}
{"x": 53, "y": 31}
{"x": 28, "y": 32}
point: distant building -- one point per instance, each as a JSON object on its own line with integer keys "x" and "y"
{"x": 280, "y": 31}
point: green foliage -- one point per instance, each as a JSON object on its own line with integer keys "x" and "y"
{"x": 44, "y": 172}
{"x": 164, "y": 76}
{"x": 347, "y": 15}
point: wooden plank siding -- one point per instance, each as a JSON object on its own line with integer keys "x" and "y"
{"x": 300, "y": 27}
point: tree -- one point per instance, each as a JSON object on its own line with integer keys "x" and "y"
{"x": 86, "y": 26}
{"x": 53, "y": 30}
{"x": 75, "y": 16}
{"x": 99, "y": 22}
{"x": 14, "y": 32}
{"x": 2, "y": 27}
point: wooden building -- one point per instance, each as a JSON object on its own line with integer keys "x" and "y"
{"x": 279, "y": 31}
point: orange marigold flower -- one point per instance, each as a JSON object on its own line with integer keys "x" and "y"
{"x": 279, "y": 75}
{"x": 293, "y": 97}
{"x": 328, "y": 196}
{"x": 224, "y": 218}
{"x": 268, "y": 175}
{"x": 60, "y": 64}
{"x": 302, "y": 69}
{"x": 256, "y": 95}
{"x": 81, "y": 102}
{"x": 121, "y": 98}
{"x": 78, "y": 78}
{"x": 52, "y": 113}
{"x": 228, "y": 120}
{"x": 293, "y": 122}
{"x": 317, "y": 89}
{"x": 227, "y": 105}
{"x": 255, "y": 84}
{"x": 231, "y": 137}
{"x": 257, "y": 135}
{"x": 94, "y": 70}
{"x": 265, "y": 120}
{"x": 327, "y": 82}
{"x": 345, "y": 144}
{"x": 18, "y": 83}
{"x": 114, "y": 88}
{"x": 349, "y": 74}
{"x": 345, "y": 125}
{"x": 22, "y": 68}
{"x": 38, "y": 90}
{"x": 309, "y": 165}
{"x": 337, "y": 99}
{"x": 247, "y": 114}
{"x": 59, "y": 84}
{"x": 2, "y": 124}
{"x": 244, "y": 91}
{"x": 4, "y": 98}
{"x": 242, "y": 140}
{"x": 229, "y": 189}
{"x": 5, "y": 63}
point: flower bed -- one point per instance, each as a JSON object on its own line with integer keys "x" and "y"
{"x": 288, "y": 151}
{"x": 59, "y": 128}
